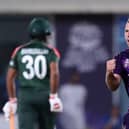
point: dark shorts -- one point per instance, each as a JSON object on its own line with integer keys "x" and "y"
{"x": 34, "y": 110}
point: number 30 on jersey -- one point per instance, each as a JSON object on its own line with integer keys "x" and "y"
{"x": 32, "y": 67}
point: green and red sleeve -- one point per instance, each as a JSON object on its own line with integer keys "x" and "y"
{"x": 55, "y": 55}
{"x": 13, "y": 60}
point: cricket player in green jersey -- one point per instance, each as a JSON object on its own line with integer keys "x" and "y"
{"x": 36, "y": 66}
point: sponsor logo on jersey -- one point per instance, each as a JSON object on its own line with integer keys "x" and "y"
{"x": 11, "y": 63}
{"x": 126, "y": 63}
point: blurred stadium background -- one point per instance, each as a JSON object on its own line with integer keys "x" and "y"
{"x": 87, "y": 33}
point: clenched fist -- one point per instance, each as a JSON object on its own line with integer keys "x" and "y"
{"x": 110, "y": 65}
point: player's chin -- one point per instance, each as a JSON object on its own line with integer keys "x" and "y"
{"x": 128, "y": 43}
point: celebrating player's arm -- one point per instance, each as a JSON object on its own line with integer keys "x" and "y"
{"x": 112, "y": 79}
{"x": 54, "y": 100}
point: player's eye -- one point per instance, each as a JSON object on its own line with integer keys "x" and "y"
{"x": 126, "y": 30}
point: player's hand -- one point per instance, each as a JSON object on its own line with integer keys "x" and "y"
{"x": 55, "y": 103}
{"x": 10, "y": 107}
{"x": 110, "y": 65}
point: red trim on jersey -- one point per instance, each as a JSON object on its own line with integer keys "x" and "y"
{"x": 15, "y": 51}
{"x": 55, "y": 51}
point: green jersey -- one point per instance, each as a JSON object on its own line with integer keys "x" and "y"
{"x": 32, "y": 62}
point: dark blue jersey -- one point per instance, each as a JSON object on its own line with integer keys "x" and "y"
{"x": 122, "y": 67}
{"x": 126, "y": 121}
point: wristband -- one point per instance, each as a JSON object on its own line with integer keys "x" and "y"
{"x": 13, "y": 100}
{"x": 52, "y": 96}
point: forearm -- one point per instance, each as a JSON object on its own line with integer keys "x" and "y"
{"x": 54, "y": 78}
{"x": 112, "y": 81}
{"x": 10, "y": 82}
{"x": 54, "y": 82}
{"x": 11, "y": 89}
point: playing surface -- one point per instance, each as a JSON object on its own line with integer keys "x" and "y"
{"x": 4, "y": 124}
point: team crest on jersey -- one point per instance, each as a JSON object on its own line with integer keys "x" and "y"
{"x": 126, "y": 63}
{"x": 11, "y": 63}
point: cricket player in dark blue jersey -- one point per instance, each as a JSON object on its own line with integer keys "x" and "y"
{"x": 117, "y": 69}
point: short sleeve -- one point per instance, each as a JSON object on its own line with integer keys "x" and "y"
{"x": 119, "y": 68}
{"x": 13, "y": 61}
{"x": 55, "y": 55}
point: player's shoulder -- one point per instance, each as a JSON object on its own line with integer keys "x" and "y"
{"x": 123, "y": 53}
{"x": 16, "y": 50}
{"x": 54, "y": 50}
